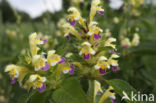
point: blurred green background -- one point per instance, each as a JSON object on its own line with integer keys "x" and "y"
{"x": 137, "y": 64}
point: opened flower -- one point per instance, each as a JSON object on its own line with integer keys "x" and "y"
{"x": 86, "y": 50}
{"x": 36, "y": 81}
{"x": 75, "y": 16}
{"x": 16, "y": 72}
{"x": 95, "y": 8}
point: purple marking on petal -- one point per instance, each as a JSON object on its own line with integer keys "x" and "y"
{"x": 97, "y": 36}
{"x": 13, "y": 81}
{"x": 73, "y": 22}
{"x": 72, "y": 69}
{"x": 98, "y": 93}
{"x": 125, "y": 46}
{"x": 46, "y": 67}
{"x": 114, "y": 68}
{"x": 102, "y": 71}
{"x": 42, "y": 88}
{"x": 62, "y": 60}
{"x": 113, "y": 100}
{"x": 45, "y": 41}
{"x": 86, "y": 57}
{"x": 112, "y": 51}
{"x": 100, "y": 12}
{"x": 68, "y": 37}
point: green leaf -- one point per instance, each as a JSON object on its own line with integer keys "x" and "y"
{"x": 120, "y": 86}
{"x": 70, "y": 92}
{"x": 40, "y": 97}
{"x": 26, "y": 97}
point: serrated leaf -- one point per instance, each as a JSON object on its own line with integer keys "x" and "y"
{"x": 70, "y": 92}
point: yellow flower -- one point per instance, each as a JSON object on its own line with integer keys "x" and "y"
{"x": 35, "y": 81}
{"x": 94, "y": 8}
{"x": 112, "y": 60}
{"x": 125, "y": 43}
{"x": 101, "y": 63}
{"x": 75, "y": 16}
{"x": 108, "y": 93}
{"x": 16, "y": 72}
{"x": 110, "y": 41}
{"x": 116, "y": 20}
{"x": 97, "y": 89}
{"x": 38, "y": 62}
{"x": 86, "y": 50}
{"x": 108, "y": 33}
{"x": 53, "y": 58}
{"x": 70, "y": 29}
{"x": 136, "y": 40}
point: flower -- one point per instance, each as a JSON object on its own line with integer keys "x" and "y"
{"x": 113, "y": 62}
{"x": 34, "y": 40}
{"x": 75, "y": 16}
{"x": 39, "y": 63}
{"x": 108, "y": 33}
{"x": 136, "y": 40}
{"x": 53, "y": 58}
{"x": 16, "y": 72}
{"x": 125, "y": 43}
{"x": 97, "y": 89}
{"x": 109, "y": 93}
{"x": 116, "y": 20}
{"x": 36, "y": 81}
{"x": 86, "y": 50}
{"x": 93, "y": 29}
{"x": 68, "y": 29}
{"x": 95, "y": 8}
{"x": 109, "y": 42}
{"x": 102, "y": 65}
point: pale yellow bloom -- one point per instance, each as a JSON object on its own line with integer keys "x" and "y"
{"x": 94, "y": 8}
{"x": 38, "y": 62}
{"x": 125, "y": 43}
{"x": 136, "y": 40}
{"x": 70, "y": 29}
{"x": 116, "y": 20}
{"x": 53, "y": 58}
{"x": 35, "y": 81}
{"x": 15, "y": 71}
{"x": 110, "y": 41}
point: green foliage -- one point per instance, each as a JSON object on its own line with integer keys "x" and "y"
{"x": 70, "y": 92}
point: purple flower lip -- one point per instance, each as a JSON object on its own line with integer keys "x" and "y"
{"x": 114, "y": 68}
{"x": 125, "y": 46}
{"x": 46, "y": 67}
{"x": 68, "y": 37}
{"x": 42, "y": 88}
{"x": 112, "y": 100}
{"x": 73, "y": 22}
{"x": 97, "y": 36}
{"x": 45, "y": 41}
{"x": 72, "y": 69}
{"x": 112, "y": 51}
{"x": 86, "y": 57}
{"x": 13, "y": 81}
{"x": 100, "y": 12}
{"x": 98, "y": 93}
{"x": 102, "y": 71}
{"x": 62, "y": 60}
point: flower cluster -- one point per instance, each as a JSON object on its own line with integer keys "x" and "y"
{"x": 38, "y": 64}
{"x": 91, "y": 38}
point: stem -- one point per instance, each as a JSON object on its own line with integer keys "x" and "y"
{"x": 91, "y": 91}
